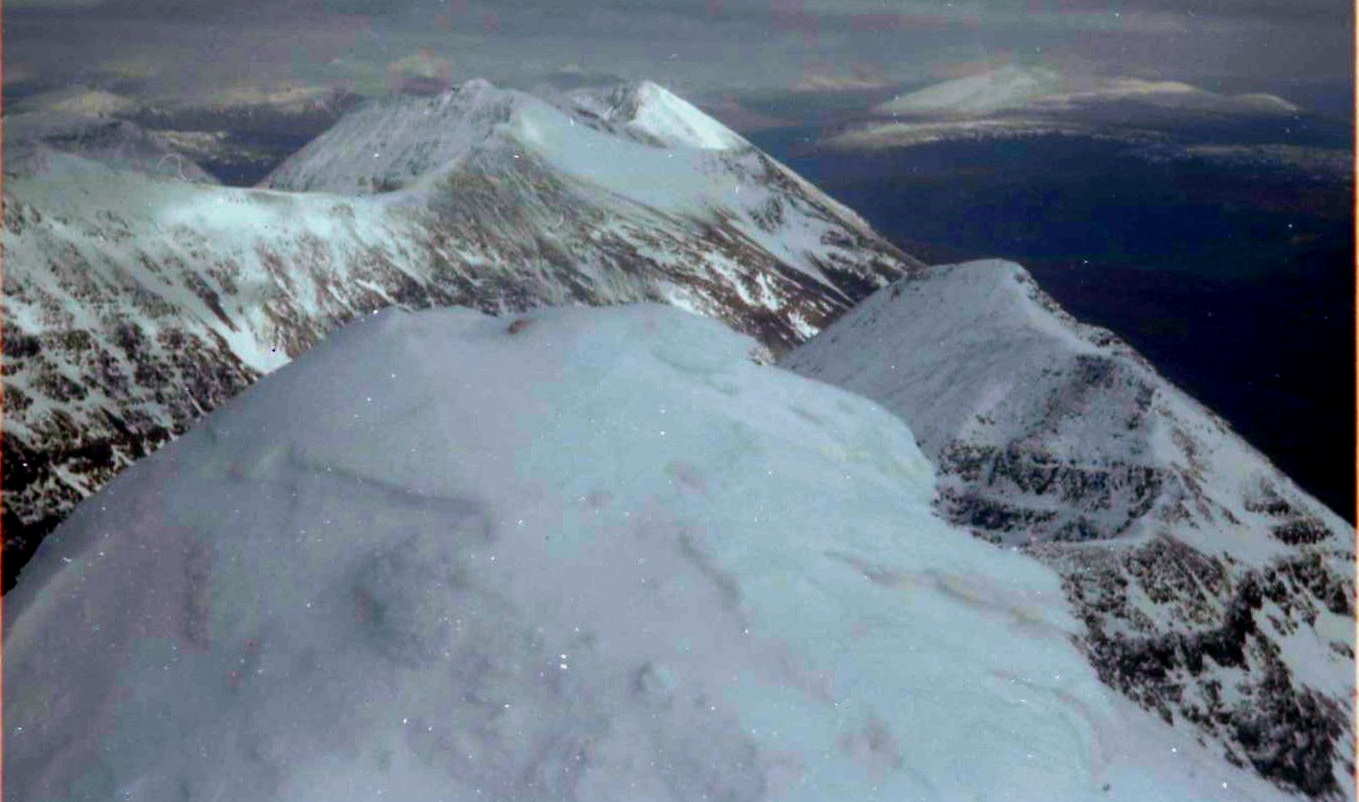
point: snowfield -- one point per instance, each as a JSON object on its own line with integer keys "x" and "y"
{"x": 583, "y": 555}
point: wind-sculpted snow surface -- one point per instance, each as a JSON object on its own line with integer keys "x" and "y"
{"x": 581, "y": 555}
{"x": 1214, "y": 591}
{"x": 133, "y": 303}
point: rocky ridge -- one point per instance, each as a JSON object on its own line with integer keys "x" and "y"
{"x": 1213, "y": 590}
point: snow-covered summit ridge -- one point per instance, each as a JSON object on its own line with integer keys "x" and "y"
{"x": 1213, "y": 589}
{"x": 653, "y": 113}
{"x": 1009, "y": 367}
{"x": 388, "y": 142}
{"x": 395, "y": 141}
{"x": 580, "y": 555}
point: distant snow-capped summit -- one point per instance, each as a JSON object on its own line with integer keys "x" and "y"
{"x": 398, "y": 140}
{"x": 1039, "y": 89}
{"x": 1019, "y": 102}
{"x": 134, "y": 303}
{"x": 1007, "y": 87}
{"x": 389, "y": 142}
{"x": 32, "y": 137}
{"x": 1214, "y": 591}
{"x": 653, "y": 114}
{"x": 80, "y": 100}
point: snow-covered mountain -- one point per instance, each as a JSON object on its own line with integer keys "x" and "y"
{"x": 1030, "y": 101}
{"x": 78, "y": 100}
{"x": 134, "y": 302}
{"x": 581, "y": 555}
{"x": 401, "y": 141}
{"x": 114, "y": 142}
{"x": 1038, "y": 88}
{"x": 1213, "y": 590}
{"x": 1007, "y": 87}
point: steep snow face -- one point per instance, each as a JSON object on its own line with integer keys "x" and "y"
{"x": 582, "y": 555}
{"x": 1214, "y": 591}
{"x": 385, "y": 144}
{"x": 133, "y": 303}
{"x": 1008, "y": 87}
{"x": 652, "y": 114}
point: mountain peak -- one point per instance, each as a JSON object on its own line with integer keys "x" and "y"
{"x": 648, "y": 112}
{"x": 392, "y": 142}
{"x": 1039, "y": 89}
{"x": 1010, "y": 86}
{"x": 1176, "y": 538}
{"x": 389, "y": 142}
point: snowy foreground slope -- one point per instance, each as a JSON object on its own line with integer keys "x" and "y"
{"x": 581, "y": 555}
{"x": 134, "y": 302}
{"x": 1214, "y": 591}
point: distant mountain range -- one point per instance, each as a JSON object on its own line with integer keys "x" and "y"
{"x": 1039, "y": 89}
{"x": 134, "y": 302}
{"x": 1027, "y": 101}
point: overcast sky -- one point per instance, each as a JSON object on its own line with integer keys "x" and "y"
{"x": 702, "y": 47}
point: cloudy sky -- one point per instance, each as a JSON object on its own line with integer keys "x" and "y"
{"x": 704, "y": 47}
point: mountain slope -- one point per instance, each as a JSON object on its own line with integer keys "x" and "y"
{"x": 1213, "y": 590}
{"x": 583, "y": 555}
{"x": 133, "y": 303}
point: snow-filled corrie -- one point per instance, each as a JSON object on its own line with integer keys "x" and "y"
{"x": 1213, "y": 590}
{"x": 581, "y": 555}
